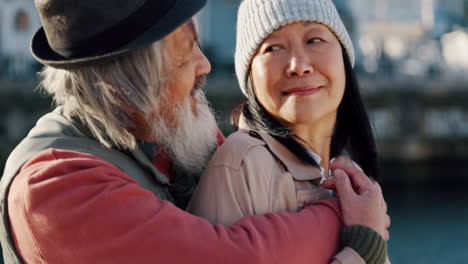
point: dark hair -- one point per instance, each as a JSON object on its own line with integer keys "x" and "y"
{"x": 352, "y": 133}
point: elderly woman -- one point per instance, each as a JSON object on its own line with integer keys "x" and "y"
{"x": 294, "y": 63}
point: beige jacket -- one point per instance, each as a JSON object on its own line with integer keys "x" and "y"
{"x": 251, "y": 176}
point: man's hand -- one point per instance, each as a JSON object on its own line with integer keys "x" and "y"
{"x": 343, "y": 159}
{"x": 361, "y": 198}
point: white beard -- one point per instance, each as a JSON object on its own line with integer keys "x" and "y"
{"x": 191, "y": 139}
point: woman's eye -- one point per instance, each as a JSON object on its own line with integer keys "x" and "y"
{"x": 272, "y": 48}
{"x": 314, "y": 40}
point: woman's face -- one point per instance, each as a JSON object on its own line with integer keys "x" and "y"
{"x": 298, "y": 74}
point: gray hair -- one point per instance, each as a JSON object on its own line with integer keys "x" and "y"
{"x": 104, "y": 96}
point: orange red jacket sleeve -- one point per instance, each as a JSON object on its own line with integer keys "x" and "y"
{"x": 69, "y": 207}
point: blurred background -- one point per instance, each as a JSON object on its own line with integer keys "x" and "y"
{"x": 412, "y": 64}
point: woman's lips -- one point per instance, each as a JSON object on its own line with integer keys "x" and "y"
{"x": 302, "y": 91}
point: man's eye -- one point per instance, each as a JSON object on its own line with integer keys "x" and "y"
{"x": 314, "y": 40}
{"x": 272, "y": 48}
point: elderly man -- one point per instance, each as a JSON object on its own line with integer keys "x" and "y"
{"x": 96, "y": 180}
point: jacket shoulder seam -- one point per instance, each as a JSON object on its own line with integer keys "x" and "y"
{"x": 235, "y": 149}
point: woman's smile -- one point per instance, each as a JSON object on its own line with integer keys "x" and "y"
{"x": 302, "y": 91}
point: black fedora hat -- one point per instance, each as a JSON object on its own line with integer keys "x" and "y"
{"x": 82, "y": 32}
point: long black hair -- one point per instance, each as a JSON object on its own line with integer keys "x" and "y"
{"x": 352, "y": 134}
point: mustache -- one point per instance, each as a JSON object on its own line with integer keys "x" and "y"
{"x": 200, "y": 83}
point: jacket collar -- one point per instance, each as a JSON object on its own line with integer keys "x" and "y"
{"x": 299, "y": 169}
{"x": 139, "y": 154}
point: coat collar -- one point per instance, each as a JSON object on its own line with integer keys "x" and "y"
{"x": 299, "y": 170}
{"x": 139, "y": 153}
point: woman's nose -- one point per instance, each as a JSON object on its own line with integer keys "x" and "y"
{"x": 299, "y": 66}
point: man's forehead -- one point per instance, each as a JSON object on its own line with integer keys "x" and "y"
{"x": 181, "y": 41}
{"x": 191, "y": 28}
{"x": 187, "y": 32}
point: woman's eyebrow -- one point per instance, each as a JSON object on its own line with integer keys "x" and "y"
{"x": 314, "y": 26}
{"x": 309, "y": 23}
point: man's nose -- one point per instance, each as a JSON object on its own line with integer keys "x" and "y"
{"x": 204, "y": 65}
{"x": 299, "y": 66}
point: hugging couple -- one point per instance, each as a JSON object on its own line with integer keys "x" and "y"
{"x": 132, "y": 168}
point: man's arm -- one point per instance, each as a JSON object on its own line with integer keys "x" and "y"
{"x": 364, "y": 212}
{"x": 67, "y": 207}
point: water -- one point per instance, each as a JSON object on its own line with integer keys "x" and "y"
{"x": 429, "y": 224}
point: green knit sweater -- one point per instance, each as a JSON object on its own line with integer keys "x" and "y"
{"x": 368, "y": 243}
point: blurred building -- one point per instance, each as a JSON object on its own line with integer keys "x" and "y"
{"x": 449, "y": 13}
{"x": 218, "y": 29}
{"x": 18, "y": 22}
{"x": 405, "y": 32}
{"x": 391, "y": 37}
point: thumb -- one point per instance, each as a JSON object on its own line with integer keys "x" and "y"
{"x": 342, "y": 183}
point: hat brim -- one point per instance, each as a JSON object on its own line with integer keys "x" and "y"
{"x": 182, "y": 11}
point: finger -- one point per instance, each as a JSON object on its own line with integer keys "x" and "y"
{"x": 376, "y": 184}
{"x": 329, "y": 184}
{"x": 345, "y": 160}
{"x": 386, "y": 235}
{"x": 358, "y": 178}
{"x": 343, "y": 184}
{"x": 388, "y": 221}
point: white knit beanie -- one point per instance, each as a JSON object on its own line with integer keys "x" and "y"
{"x": 257, "y": 19}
